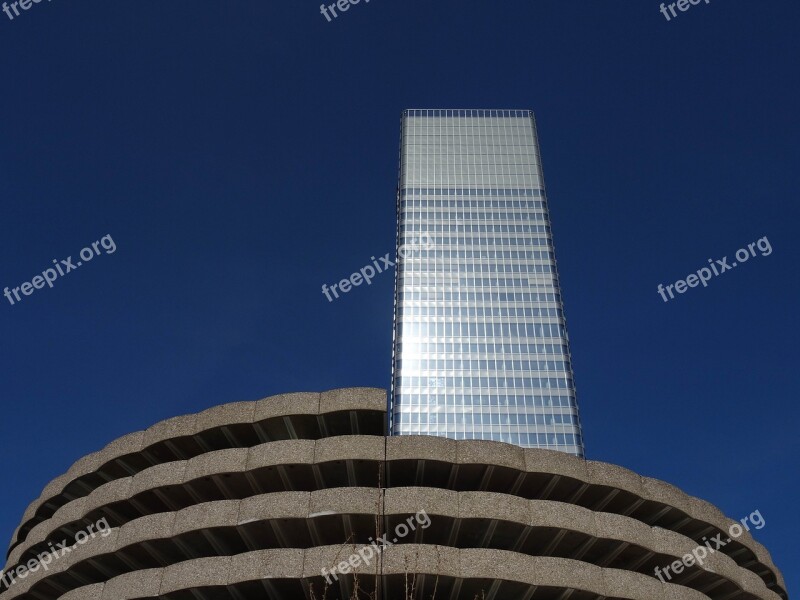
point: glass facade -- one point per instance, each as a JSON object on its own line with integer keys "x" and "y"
{"x": 480, "y": 343}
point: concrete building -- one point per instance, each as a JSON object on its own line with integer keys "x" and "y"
{"x": 480, "y": 345}
{"x": 266, "y": 499}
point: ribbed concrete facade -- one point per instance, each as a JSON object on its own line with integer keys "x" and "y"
{"x": 253, "y": 500}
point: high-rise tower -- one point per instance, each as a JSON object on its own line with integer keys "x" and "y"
{"x": 480, "y": 343}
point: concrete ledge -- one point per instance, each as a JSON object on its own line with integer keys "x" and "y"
{"x": 200, "y": 572}
{"x": 87, "y": 592}
{"x": 368, "y": 399}
{"x": 266, "y": 564}
{"x": 273, "y": 454}
{"x": 138, "y": 584}
{"x": 224, "y": 415}
{"x": 418, "y": 447}
{"x": 239, "y": 460}
{"x": 352, "y": 448}
{"x": 254, "y": 512}
{"x": 556, "y": 463}
{"x": 281, "y": 505}
{"x": 364, "y": 399}
{"x": 302, "y": 403}
{"x": 349, "y": 447}
{"x": 465, "y": 565}
{"x": 482, "y": 452}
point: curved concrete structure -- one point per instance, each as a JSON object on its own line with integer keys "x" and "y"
{"x": 255, "y": 499}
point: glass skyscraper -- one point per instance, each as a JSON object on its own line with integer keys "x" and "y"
{"x": 480, "y": 344}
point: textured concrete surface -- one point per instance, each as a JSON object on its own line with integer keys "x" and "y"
{"x": 251, "y": 515}
{"x": 263, "y": 511}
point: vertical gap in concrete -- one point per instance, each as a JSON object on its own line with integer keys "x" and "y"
{"x": 382, "y": 484}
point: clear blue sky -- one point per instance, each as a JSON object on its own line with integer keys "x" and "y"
{"x": 241, "y": 154}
